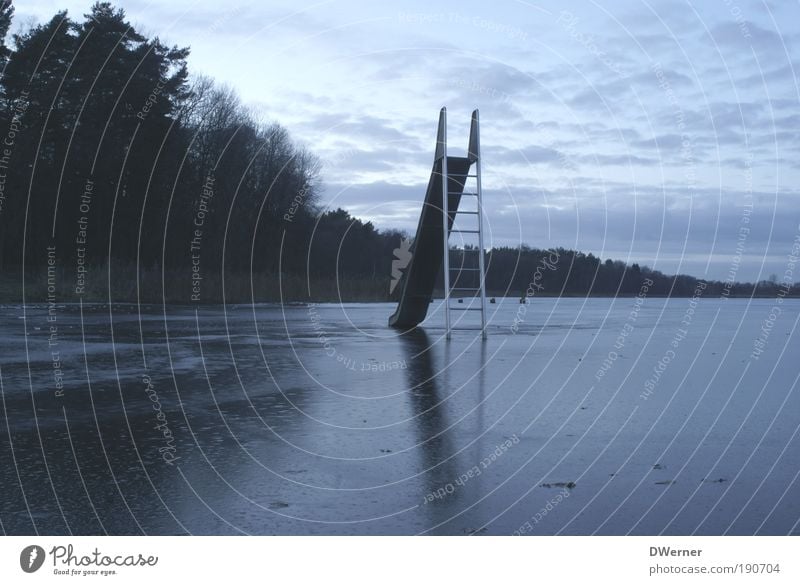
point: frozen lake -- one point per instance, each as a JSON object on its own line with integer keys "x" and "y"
{"x": 608, "y": 416}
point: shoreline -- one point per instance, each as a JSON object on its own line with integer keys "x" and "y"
{"x": 7, "y": 302}
{"x": 126, "y": 284}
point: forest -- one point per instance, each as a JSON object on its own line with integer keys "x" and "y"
{"x": 123, "y": 177}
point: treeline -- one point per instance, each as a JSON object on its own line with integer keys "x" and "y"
{"x": 113, "y": 159}
{"x": 556, "y": 272}
{"x": 123, "y": 178}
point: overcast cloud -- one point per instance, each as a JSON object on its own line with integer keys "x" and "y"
{"x": 641, "y": 131}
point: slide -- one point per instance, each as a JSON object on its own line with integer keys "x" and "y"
{"x": 427, "y": 251}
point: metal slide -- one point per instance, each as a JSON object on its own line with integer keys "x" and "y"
{"x": 433, "y": 230}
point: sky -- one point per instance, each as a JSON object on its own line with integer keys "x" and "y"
{"x": 664, "y": 133}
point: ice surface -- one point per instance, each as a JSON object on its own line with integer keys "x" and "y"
{"x": 321, "y": 420}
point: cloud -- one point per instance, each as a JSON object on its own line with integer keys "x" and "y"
{"x": 584, "y": 139}
{"x": 529, "y": 155}
{"x": 745, "y": 34}
{"x": 617, "y": 160}
{"x": 664, "y": 142}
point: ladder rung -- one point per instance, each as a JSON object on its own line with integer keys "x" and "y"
{"x": 461, "y": 288}
{"x": 468, "y": 212}
{"x": 466, "y": 269}
{"x": 463, "y": 193}
{"x": 466, "y": 309}
{"x": 465, "y": 231}
{"x": 466, "y": 328}
{"x": 467, "y": 176}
